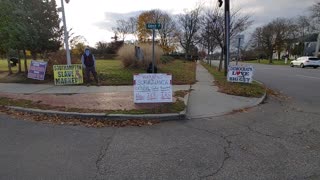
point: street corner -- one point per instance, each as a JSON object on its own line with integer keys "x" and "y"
{"x": 115, "y": 106}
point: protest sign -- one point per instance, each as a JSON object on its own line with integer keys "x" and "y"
{"x": 68, "y": 74}
{"x": 152, "y": 88}
{"x": 242, "y": 74}
{"x": 37, "y": 70}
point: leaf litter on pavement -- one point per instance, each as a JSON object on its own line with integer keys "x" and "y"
{"x": 73, "y": 121}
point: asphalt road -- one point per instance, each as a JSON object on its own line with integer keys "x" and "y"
{"x": 301, "y": 84}
{"x": 279, "y": 139}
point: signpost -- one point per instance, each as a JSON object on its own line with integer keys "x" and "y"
{"x": 153, "y": 26}
{"x": 239, "y": 38}
{"x": 37, "y": 70}
{"x": 152, "y": 88}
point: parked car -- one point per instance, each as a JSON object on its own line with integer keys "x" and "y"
{"x": 306, "y": 61}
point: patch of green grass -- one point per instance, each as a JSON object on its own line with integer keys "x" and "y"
{"x": 4, "y": 66}
{"x": 239, "y": 89}
{"x": 111, "y": 72}
{"x": 183, "y": 72}
{"x": 266, "y": 61}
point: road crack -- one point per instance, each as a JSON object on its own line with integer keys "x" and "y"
{"x": 102, "y": 154}
{"x": 225, "y": 149}
{"x": 260, "y": 133}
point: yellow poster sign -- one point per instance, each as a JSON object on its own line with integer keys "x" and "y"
{"x": 68, "y": 74}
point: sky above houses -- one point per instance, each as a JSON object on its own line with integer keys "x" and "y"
{"x": 94, "y": 19}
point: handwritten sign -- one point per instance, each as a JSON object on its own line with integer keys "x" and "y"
{"x": 68, "y": 74}
{"x": 242, "y": 74}
{"x": 37, "y": 70}
{"x": 152, "y": 88}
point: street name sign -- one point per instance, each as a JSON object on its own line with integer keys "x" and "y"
{"x": 153, "y": 26}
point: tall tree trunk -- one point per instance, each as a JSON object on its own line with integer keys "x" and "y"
{"x": 19, "y": 61}
{"x": 208, "y": 56}
{"x": 279, "y": 54}
{"x": 221, "y": 58}
{"x": 34, "y": 55}
{"x": 25, "y": 62}
{"x": 9, "y": 64}
{"x": 270, "y": 58}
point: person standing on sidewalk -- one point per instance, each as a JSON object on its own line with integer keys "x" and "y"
{"x": 89, "y": 64}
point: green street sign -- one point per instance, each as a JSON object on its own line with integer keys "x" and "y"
{"x": 153, "y": 26}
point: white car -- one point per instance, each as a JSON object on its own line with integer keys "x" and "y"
{"x": 306, "y": 61}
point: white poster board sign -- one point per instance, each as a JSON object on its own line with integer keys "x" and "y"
{"x": 242, "y": 74}
{"x": 152, "y": 88}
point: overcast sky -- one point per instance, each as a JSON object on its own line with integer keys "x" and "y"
{"x": 94, "y": 19}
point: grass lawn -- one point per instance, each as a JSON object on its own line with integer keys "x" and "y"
{"x": 182, "y": 72}
{"x": 266, "y": 61}
{"x": 239, "y": 89}
{"x": 15, "y": 77}
{"x": 111, "y": 72}
{"x": 4, "y": 66}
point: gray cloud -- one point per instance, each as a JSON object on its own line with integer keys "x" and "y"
{"x": 111, "y": 18}
{"x": 267, "y": 10}
{"x": 262, "y": 11}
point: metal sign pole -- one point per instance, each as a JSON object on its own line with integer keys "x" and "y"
{"x": 153, "y": 57}
{"x": 238, "y": 55}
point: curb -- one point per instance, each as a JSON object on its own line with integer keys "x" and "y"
{"x": 259, "y": 101}
{"x": 121, "y": 117}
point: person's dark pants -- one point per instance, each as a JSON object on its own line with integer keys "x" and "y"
{"x": 93, "y": 71}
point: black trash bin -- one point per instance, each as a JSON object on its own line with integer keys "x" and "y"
{"x": 14, "y": 61}
{"x": 149, "y": 70}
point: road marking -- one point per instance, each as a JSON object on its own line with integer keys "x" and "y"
{"x": 308, "y": 77}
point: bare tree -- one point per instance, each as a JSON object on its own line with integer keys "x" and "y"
{"x": 167, "y": 33}
{"x": 132, "y": 24}
{"x": 122, "y": 29}
{"x": 263, "y": 39}
{"x": 190, "y": 25}
{"x": 281, "y": 31}
{"x": 208, "y": 39}
{"x": 303, "y": 26}
{"x": 238, "y": 24}
{"x": 315, "y": 10}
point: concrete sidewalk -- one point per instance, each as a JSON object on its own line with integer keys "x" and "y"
{"x": 15, "y": 88}
{"x": 91, "y": 99}
{"x": 206, "y": 101}
{"x": 203, "y": 101}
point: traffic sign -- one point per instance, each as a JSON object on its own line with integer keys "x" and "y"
{"x": 153, "y": 26}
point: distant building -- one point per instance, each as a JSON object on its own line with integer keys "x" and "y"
{"x": 310, "y": 48}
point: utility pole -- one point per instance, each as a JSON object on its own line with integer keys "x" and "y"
{"x": 66, "y": 35}
{"x": 227, "y": 33}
